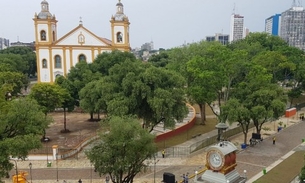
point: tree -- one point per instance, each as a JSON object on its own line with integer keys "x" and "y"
{"x": 122, "y": 151}
{"x": 159, "y": 60}
{"x": 13, "y": 82}
{"x": 91, "y": 98}
{"x": 265, "y": 100}
{"x": 211, "y": 74}
{"x": 153, "y": 94}
{"x": 79, "y": 76}
{"x": 69, "y": 102}
{"x": 22, "y": 124}
{"x": 106, "y": 60}
{"x": 49, "y": 96}
{"x": 28, "y": 56}
{"x": 235, "y": 111}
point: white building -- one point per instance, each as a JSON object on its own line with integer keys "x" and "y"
{"x": 56, "y": 55}
{"x": 236, "y": 27}
{"x": 293, "y": 27}
{"x": 4, "y": 43}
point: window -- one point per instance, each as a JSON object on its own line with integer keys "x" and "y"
{"x": 43, "y": 35}
{"x": 119, "y": 37}
{"x": 82, "y": 57}
{"x": 57, "y": 61}
{"x": 44, "y": 63}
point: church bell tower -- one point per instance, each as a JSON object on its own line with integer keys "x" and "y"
{"x": 120, "y": 29}
{"x": 45, "y": 26}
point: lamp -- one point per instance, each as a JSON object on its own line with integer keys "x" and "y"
{"x": 30, "y": 165}
{"x": 57, "y": 166}
{"x": 245, "y": 174}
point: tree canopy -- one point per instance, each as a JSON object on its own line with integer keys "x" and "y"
{"x": 122, "y": 151}
{"x": 22, "y": 124}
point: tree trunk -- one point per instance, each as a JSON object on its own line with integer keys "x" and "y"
{"x": 98, "y": 115}
{"x": 245, "y": 137}
{"x": 202, "y": 113}
{"x": 65, "y": 119}
{"x": 91, "y": 116}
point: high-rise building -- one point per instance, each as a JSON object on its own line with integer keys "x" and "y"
{"x": 236, "y": 27}
{"x": 148, "y": 46}
{"x": 293, "y": 27}
{"x": 273, "y": 25}
{"x": 4, "y": 43}
{"x": 222, "y": 38}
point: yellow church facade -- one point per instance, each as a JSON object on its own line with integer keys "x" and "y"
{"x": 55, "y": 56}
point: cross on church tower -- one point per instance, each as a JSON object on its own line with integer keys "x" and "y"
{"x": 80, "y": 21}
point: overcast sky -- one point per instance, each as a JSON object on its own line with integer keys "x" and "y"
{"x": 168, "y": 23}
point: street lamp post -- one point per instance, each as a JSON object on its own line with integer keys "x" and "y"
{"x": 155, "y": 162}
{"x": 91, "y": 174}
{"x": 30, "y": 165}
{"x": 57, "y": 167}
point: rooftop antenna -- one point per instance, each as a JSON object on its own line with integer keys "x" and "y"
{"x": 233, "y": 9}
{"x": 300, "y": 3}
{"x": 294, "y": 4}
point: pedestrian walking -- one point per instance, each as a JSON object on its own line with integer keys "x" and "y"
{"x": 273, "y": 140}
{"x": 163, "y": 153}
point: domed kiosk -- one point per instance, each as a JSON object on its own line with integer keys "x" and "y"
{"x": 220, "y": 164}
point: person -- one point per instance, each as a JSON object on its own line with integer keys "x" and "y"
{"x": 163, "y": 153}
{"x": 273, "y": 140}
{"x": 107, "y": 179}
{"x": 186, "y": 179}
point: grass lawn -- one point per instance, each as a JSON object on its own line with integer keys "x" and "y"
{"x": 286, "y": 170}
{"x": 196, "y": 129}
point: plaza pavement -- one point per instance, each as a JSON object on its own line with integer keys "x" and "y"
{"x": 252, "y": 159}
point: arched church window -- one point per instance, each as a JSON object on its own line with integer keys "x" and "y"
{"x": 82, "y": 57}
{"x": 119, "y": 37}
{"x": 44, "y": 63}
{"x": 43, "y": 35}
{"x": 57, "y": 61}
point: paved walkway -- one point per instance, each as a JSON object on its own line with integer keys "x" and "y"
{"x": 252, "y": 159}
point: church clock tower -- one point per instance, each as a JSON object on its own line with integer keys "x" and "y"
{"x": 45, "y": 26}
{"x": 120, "y": 29}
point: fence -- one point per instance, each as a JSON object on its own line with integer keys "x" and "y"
{"x": 180, "y": 151}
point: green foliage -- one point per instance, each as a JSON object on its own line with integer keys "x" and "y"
{"x": 159, "y": 60}
{"x": 153, "y": 94}
{"x": 106, "y": 60}
{"x": 91, "y": 98}
{"x": 79, "y": 76}
{"x": 22, "y": 124}
{"x": 49, "y": 96}
{"x": 13, "y": 82}
{"x": 28, "y": 63}
{"x": 122, "y": 151}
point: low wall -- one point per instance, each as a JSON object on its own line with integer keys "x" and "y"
{"x": 178, "y": 130}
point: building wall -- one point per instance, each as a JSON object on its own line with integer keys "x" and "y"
{"x": 4, "y": 43}
{"x": 236, "y": 27}
{"x": 273, "y": 24}
{"x": 293, "y": 27}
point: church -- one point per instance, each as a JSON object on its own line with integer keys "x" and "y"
{"x": 55, "y": 56}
